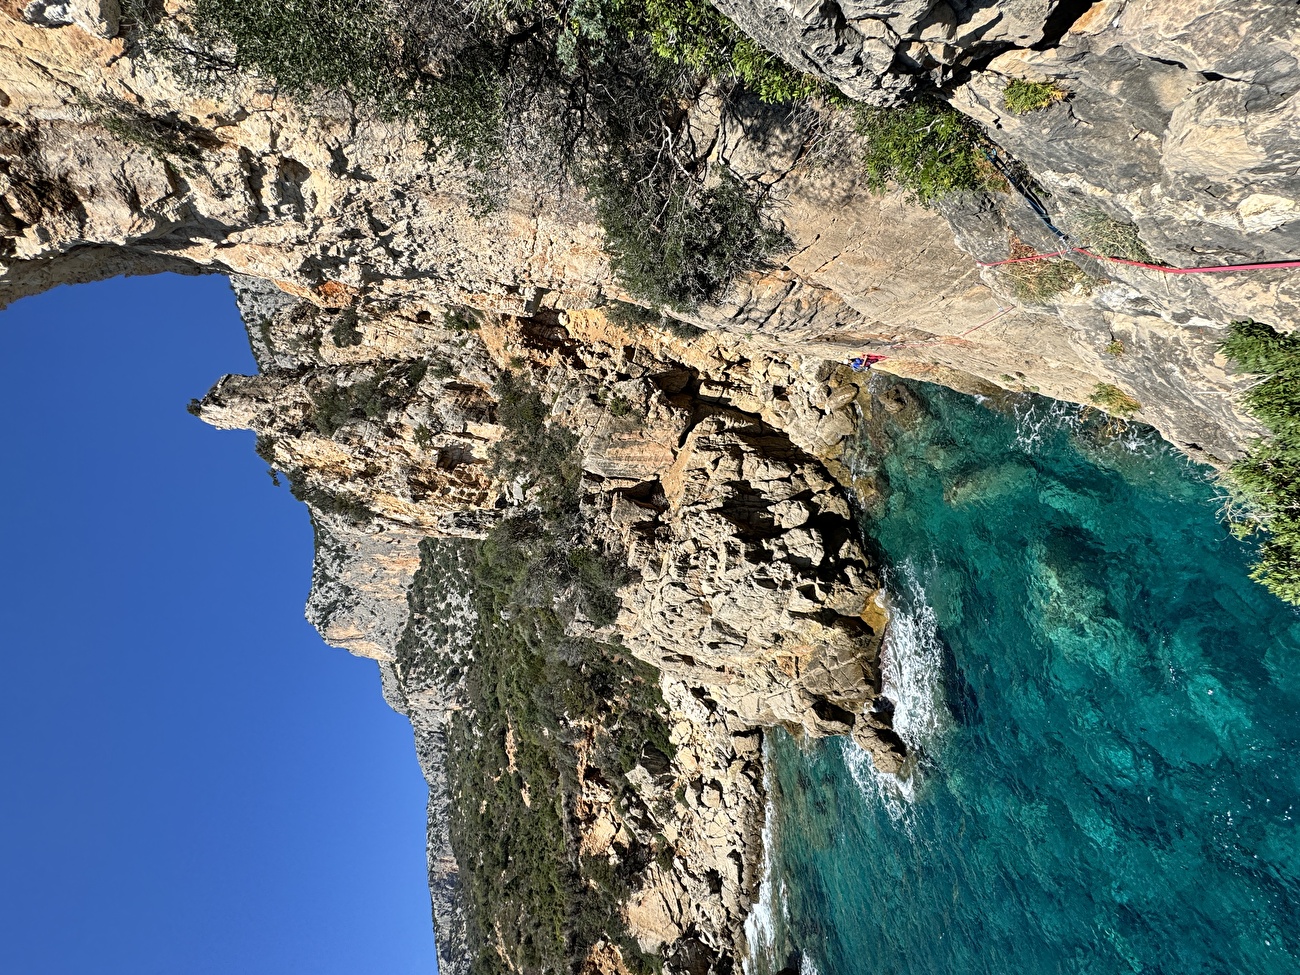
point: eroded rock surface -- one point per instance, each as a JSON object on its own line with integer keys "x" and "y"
{"x": 382, "y": 306}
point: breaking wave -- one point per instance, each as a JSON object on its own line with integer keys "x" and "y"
{"x": 1039, "y": 420}
{"x": 911, "y": 663}
{"x": 760, "y": 925}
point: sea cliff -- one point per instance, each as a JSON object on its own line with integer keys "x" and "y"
{"x": 390, "y": 310}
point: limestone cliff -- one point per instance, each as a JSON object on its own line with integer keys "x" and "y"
{"x": 383, "y": 307}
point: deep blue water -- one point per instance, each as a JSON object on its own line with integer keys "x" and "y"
{"x": 1106, "y": 709}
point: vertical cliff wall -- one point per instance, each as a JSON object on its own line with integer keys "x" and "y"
{"x": 384, "y": 306}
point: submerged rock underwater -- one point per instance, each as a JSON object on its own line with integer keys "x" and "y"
{"x": 1104, "y": 708}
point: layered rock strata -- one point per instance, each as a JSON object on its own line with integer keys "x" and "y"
{"x": 715, "y": 462}
{"x": 710, "y": 461}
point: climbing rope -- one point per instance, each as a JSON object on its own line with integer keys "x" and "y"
{"x": 1263, "y": 266}
{"x": 867, "y": 361}
{"x": 1041, "y": 212}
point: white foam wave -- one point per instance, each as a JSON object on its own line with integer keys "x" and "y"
{"x": 893, "y": 793}
{"x": 806, "y": 966}
{"x": 911, "y": 664}
{"x": 1038, "y": 418}
{"x": 760, "y": 925}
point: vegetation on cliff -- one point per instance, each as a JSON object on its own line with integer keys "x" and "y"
{"x": 1268, "y": 479}
{"x": 927, "y": 148}
{"x": 547, "y": 709}
{"x": 1022, "y": 96}
{"x": 593, "y": 92}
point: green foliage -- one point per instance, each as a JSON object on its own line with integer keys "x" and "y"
{"x": 389, "y": 387}
{"x": 536, "y": 693}
{"x": 1259, "y": 348}
{"x": 672, "y": 242}
{"x": 355, "y": 47}
{"x": 694, "y": 34}
{"x": 340, "y": 503}
{"x": 1268, "y": 479}
{"x": 160, "y": 137}
{"x": 632, "y": 316}
{"x": 1115, "y": 347}
{"x": 344, "y": 331}
{"x": 601, "y": 81}
{"x": 1109, "y": 237}
{"x": 1114, "y": 400}
{"x": 1038, "y": 282}
{"x": 541, "y": 454}
{"x": 423, "y": 436}
{"x": 927, "y": 148}
{"x": 1022, "y": 96}
{"x": 460, "y": 320}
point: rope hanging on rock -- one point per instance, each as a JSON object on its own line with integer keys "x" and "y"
{"x": 1040, "y": 211}
{"x": 867, "y": 361}
{"x": 1263, "y": 266}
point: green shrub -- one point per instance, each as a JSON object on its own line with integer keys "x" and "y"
{"x": 162, "y": 136}
{"x": 672, "y": 242}
{"x": 599, "y": 80}
{"x": 632, "y": 316}
{"x": 389, "y": 387}
{"x": 512, "y": 818}
{"x": 1022, "y": 96}
{"x": 1115, "y": 347}
{"x": 423, "y": 436}
{"x": 927, "y": 148}
{"x": 694, "y": 34}
{"x": 344, "y": 331}
{"x": 1038, "y": 282}
{"x": 1267, "y": 480}
{"x": 1114, "y": 400}
{"x": 540, "y": 453}
{"x": 357, "y": 47}
{"x": 1109, "y": 237}
{"x": 340, "y": 503}
{"x": 460, "y": 320}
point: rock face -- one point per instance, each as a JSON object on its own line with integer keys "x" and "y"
{"x": 342, "y": 210}
{"x": 878, "y": 52}
{"x": 715, "y": 474}
{"x": 382, "y": 307}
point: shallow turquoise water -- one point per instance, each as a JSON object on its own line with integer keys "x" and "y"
{"x": 1107, "y": 711}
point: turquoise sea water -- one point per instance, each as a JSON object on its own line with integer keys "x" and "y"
{"x": 1106, "y": 710}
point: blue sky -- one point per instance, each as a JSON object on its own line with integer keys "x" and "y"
{"x": 190, "y": 780}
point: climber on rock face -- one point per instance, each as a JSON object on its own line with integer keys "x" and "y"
{"x": 865, "y": 362}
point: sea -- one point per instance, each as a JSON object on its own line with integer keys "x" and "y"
{"x": 1103, "y": 711}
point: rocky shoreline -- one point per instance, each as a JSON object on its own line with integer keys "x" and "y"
{"x": 714, "y": 471}
{"x": 383, "y": 307}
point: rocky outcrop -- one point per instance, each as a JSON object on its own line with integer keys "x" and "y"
{"x": 382, "y": 305}
{"x": 711, "y": 462}
{"x": 110, "y": 166}
{"x": 879, "y": 52}
{"x": 1178, "y": 125}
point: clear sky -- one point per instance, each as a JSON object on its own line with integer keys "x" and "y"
{"x": 191, "y": 782}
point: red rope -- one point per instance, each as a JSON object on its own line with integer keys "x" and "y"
{"x": 871, "y": 360}
{"x": 1001, "y": 312}
{"x": 1269, "y": 265}
{"x": 1021, "y": 260}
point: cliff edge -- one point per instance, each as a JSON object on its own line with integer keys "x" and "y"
{"x": 459, "y": 366}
